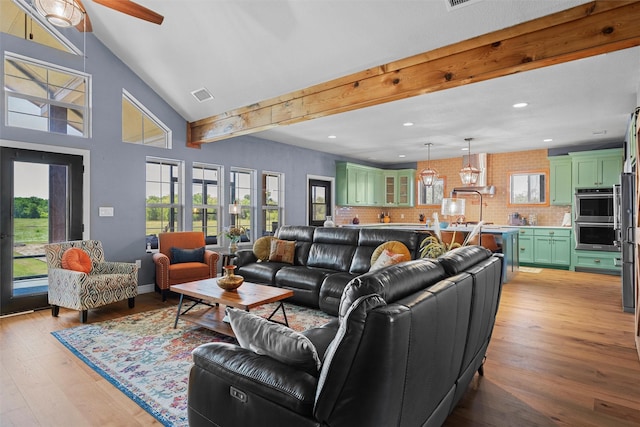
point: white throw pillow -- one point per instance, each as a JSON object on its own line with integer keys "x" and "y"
{"x": 274, "y": 340}
{"x": 386, "y": 259}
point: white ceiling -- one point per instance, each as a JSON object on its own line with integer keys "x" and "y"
{"x": 247, "y": 51}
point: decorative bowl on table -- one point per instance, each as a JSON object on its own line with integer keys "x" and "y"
{"x": 443, "y": 224}
{"x": 230, "y": 281}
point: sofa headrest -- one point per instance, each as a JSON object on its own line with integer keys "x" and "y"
{"x": 392, "y": 283}
{"x": 336, "y": 236}
{"x": 373, "y": 237}
{"x": 460, "y": 259}
{"x": 300, "y": 233}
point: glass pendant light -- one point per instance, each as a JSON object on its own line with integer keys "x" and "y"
{"x": 61, "y": 13}
{"x": 428, "y": 176}
{"x": 468, "y": 174}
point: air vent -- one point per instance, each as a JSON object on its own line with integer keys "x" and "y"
{"x": 202, "y": 95}
{"x": 456, "y": 4}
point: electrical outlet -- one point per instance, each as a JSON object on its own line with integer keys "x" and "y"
{"x": 138, "y": 263}
{"x": 401, "y": 216}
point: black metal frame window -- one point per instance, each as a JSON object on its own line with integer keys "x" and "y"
{"x": 207, "y": 201}
{"x": 272, "y": 202}
{"x": 164, "y": 203}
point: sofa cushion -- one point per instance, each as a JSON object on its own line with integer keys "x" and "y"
{"x": 262, "y": 247}
{"x": 260, "y": 272}
{"x": 77, "y": 260}
{"x": 188, "y": 271}
{"x": 387, "y": 258}
{"x": 274, "y": 340}
{"x": 282, "y": 251}
{"x": 179, "y": 255}
{"x": 460, "y": 259}
{"x": 331, "y": 291}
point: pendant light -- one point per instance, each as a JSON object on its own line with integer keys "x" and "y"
{"x": 468, "y": 174}
{"x": 61, "y": 13}
{"x": 428, "y": 176}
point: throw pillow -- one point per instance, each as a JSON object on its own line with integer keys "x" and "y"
{"x": 282, "y": 251}
{"x": 179, "y": 255}
{"x": 271, "y": 339}
{"x": 262, "y": 248}
{"x": 76, "y": 259}
{"x": 386, "y": 259}
{"x": 395, "y": 247}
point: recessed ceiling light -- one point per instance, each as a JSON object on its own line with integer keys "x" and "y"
{"x": 465, "y": 148}
{"x": 407, "y": 124}
{"x": 600, "y": 132}
{"x": 402, "y": 156}
{"x": 547, "y": 140}
{"x": 520, "y": 105}
{"x": 332, "y": 137}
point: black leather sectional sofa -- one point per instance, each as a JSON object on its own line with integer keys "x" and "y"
{"x": 326, "y": 259}
{"x": 408, "y": 340}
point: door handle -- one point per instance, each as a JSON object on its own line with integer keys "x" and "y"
{"x": 2, "y": 235}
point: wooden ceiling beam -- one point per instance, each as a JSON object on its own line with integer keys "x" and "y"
{"x": 580, "y": 32}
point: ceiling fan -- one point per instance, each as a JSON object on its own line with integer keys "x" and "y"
{"x": 72, "y": 13}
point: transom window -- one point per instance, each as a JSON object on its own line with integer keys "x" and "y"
{"x": 140, "y": 126}
{"x": 164, "y": 203}
{"x": 528, "y": 188}
{"x": 272, "y": 201}
{"x": 46, "y": 97}
{"x": 207, "y": 197}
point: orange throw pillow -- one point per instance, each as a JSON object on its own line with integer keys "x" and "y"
{"x": 76, "y": 259}
{"x": 282, "y": 251}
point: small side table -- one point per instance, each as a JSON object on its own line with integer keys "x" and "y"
{"x": 226, "y": 260}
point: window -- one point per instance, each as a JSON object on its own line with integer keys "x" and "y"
{"x": 431, "y": 195}
{"x": 272, "y": 202}
{"x": 528, "y": 188}
{"x": 241, "y": 187}
{"x": 164, "y": 198}
{"x": 46, "y": 97}
{"x": 206, "y": 192}
{"x": 20, "y": 20}
{"x": 140, "y": 126}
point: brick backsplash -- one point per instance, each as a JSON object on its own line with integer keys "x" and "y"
{"x": 495, "y": 209}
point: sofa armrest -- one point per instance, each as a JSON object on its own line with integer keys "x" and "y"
{"x": 162, "y": 270}
{"x": 211, "y": 259}
{"x": 255, "y": 375}
{"x": 244, "y": 257}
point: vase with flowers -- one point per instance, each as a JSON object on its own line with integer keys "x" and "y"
{"x": 234, "y": 234}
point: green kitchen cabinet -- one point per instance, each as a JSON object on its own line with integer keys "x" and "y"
{"x": 597, "y": 261}
{"x": 525, "y": 236}
{"x": 358, "y": 185}
{"x": 560, "y": 185}
{"x": 406, "y": 187}
{"x": 600, "y": 168}
{"x": 552, "y": 246}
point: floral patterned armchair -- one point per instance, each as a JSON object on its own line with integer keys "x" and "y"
{"x": 107, "y": 282}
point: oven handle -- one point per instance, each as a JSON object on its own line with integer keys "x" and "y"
{"x": 596, "y": 224}
{"x": 616, "y": 208}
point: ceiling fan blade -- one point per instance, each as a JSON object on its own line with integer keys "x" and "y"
{"x": 85, "y": 24}
{"x": 132, "y": 9}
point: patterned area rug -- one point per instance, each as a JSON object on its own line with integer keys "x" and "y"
{"x": 149, "y": 361}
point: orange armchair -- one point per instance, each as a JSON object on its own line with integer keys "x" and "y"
{"x": 169, "y": 272}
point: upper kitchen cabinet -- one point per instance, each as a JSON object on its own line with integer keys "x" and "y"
{"x": 358, "y": 185}
{"x": 399, "y": 187}
{"x": 599, "y": 168}
{"x": 560, "y": 187}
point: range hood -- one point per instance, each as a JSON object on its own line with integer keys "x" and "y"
{"x": 486, "y": 190}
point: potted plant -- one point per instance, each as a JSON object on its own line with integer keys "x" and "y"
{"x": 433, "y": 246}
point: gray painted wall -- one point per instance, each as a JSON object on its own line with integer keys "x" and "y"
{"x": 117, "y": 169}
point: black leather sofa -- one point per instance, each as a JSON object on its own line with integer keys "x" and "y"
{"x": 403, "y": 351}
{"x": 326, "y": 259}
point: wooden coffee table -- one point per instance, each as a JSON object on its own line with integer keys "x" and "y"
{"x": 208, "y": 293}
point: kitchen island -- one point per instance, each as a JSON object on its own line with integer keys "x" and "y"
{"x": 507, "y": 237}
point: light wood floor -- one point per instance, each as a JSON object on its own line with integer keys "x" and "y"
{"x": 562, "y": 353}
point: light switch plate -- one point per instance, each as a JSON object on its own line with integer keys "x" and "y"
{"x": 105, "y": 211}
